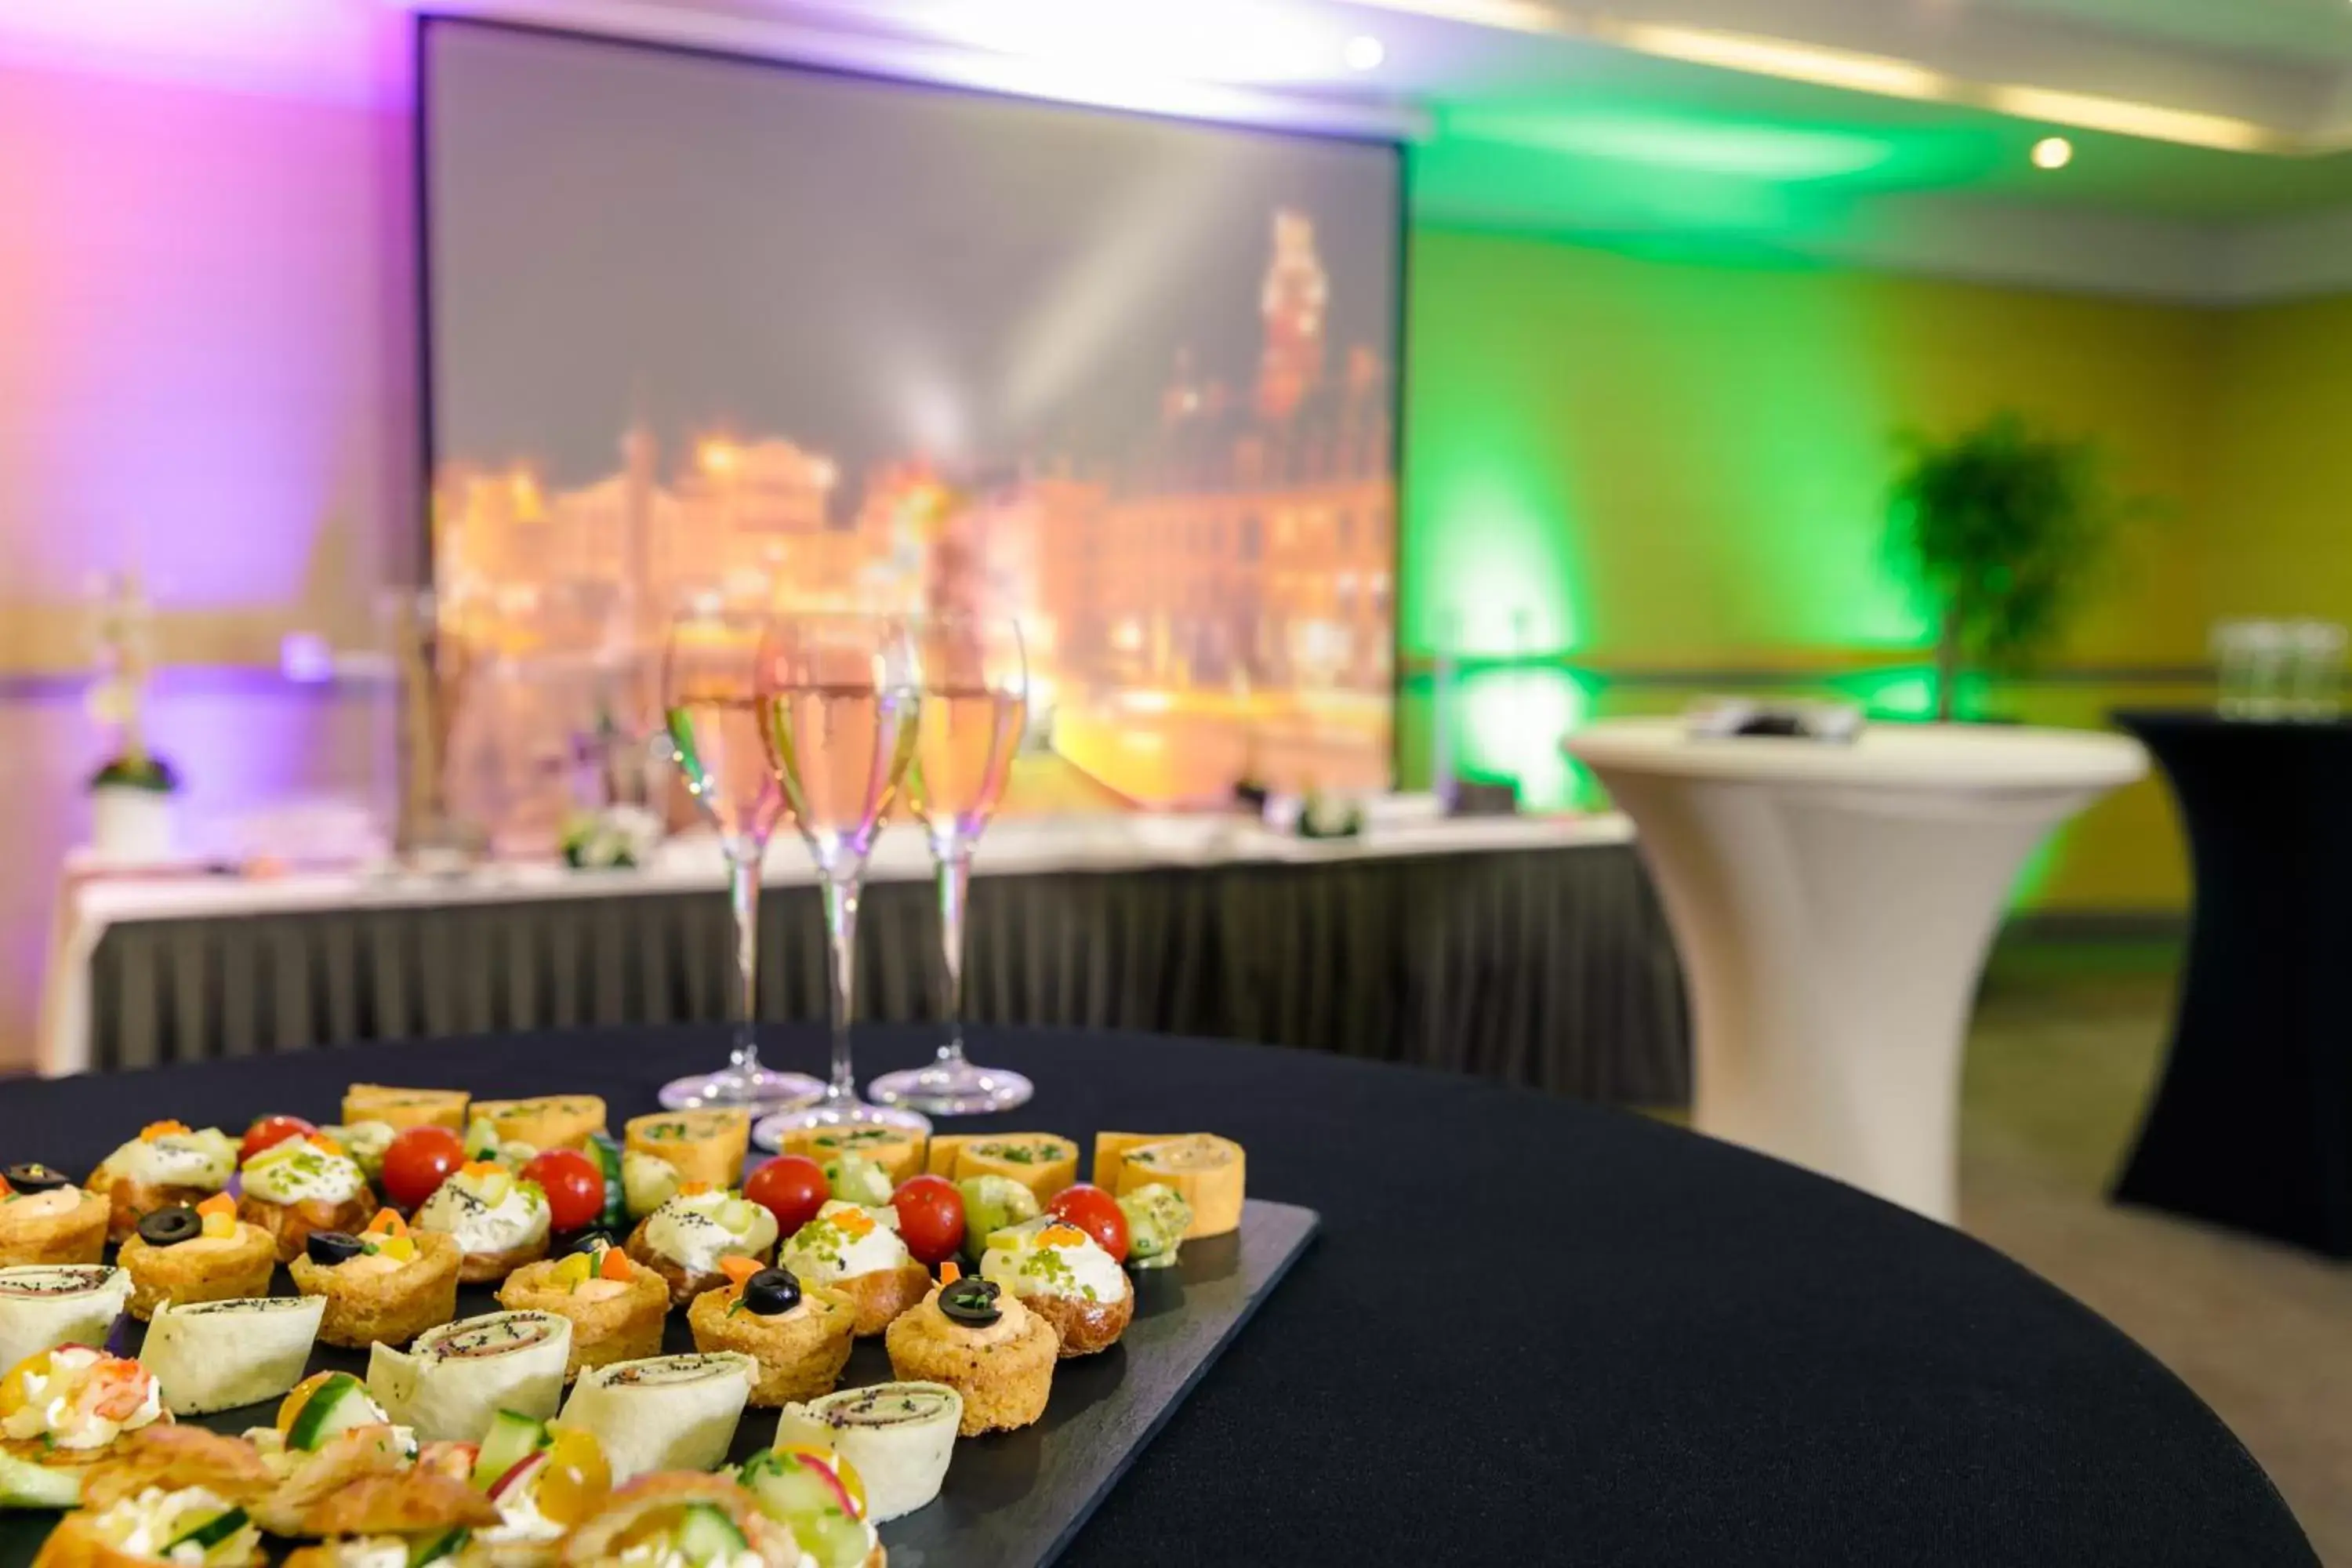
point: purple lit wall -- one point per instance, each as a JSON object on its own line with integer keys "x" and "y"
{"x": 207, "y": 331}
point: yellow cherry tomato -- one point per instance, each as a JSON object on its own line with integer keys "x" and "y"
{"x": 290, "y": 1407}
{"x": 578, "y": 1478}
{"x": 14, "y": 1387}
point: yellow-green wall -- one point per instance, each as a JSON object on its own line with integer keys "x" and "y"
{"x": 1658, "y": 464}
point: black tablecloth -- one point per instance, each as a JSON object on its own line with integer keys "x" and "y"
{"x": 1531, "y": 1330}
{"x": 1546, "y": 967}
{"x": 2252, "y": 1123}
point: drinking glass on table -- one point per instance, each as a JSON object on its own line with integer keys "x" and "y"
{"x": 839, "y": 695}
{"x": 975, "y": 706}
{"x": 712, "y": 712}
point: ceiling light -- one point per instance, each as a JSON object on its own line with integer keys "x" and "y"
{"x": 2053, "y": 152}
{"x": 2129, "y": 119}
{"x": 1770, "y": 57}
{"x": 1363, "y": 52}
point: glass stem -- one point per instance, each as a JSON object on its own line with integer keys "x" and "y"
{"x": 840, "y": 933}
{"x": 955, "y": 881}
{"x": 743, "y": 894}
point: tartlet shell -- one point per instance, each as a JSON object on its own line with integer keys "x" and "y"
{"x": 394, "y": 1306}
{"x": 1083, "y": 1328}
{"x": 1003, "y": 1385}
{"x": 683, "y": 1287}
{"x": 800, "y": 1353}
{"x": 78, "y": 1235}
{"x": 174, "y": 1274}
{"x": 291, "y": 1223}
{"x": 627, "y": 1327}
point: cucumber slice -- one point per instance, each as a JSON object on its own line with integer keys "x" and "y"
{"x": 646, "y": 1182}
{"x": 440, "y": 1548}
{"x": 341, "y": 1403}
{"x": 510, "y": 1440}
{"x": 607, "y": 1155}
{"x": 212, "y": 1531}
{"x": 740, "y": 1214}
{"x": 705, "y": 1533}
{"x": 23, "y": 1483}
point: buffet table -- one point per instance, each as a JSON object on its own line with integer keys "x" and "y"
{"x": 1531, "y": 1331}
{"x": 1833, "y": 903}
{"x": 2252, "y": 1123}
{"x": 1527, "y": 949}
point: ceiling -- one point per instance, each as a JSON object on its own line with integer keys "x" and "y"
{"x": 1699, "y": 115}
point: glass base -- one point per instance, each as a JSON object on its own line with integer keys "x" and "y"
{"x": 845, "y": 1110}
{"x": 755, "y": 1085}
{"x": 953, "y": 1088}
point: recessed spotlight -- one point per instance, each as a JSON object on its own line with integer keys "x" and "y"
{"x": 2053, "y": 152}
{"x": 1364, "y": 52}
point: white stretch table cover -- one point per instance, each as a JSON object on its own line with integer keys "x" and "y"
{"x": 1833, "y": 905}
{"x": 88, "y": 904}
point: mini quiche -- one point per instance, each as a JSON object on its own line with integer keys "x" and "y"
{"x": 617, "y": 1306}
{"x": 45, "y": 1218}
{"x": 984, "y": 1344}
{"x": 857, "y": 1252}
{"x": 183, "y": 1255}
{"x": 386, "y": 1282}
{"x": 167, "y": 1163}
{"x": 500, "y": 1221}
{"x": 685, "y": 1238}
{"x": 1062, "y": 1274}
{"x": 301, "y": 1184}
{"x": 800, "y": 1335}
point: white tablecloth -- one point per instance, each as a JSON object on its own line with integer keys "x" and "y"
{"x": 89, "y": 901}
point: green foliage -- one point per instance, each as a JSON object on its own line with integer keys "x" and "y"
{"x": 147, "y": 772}
{"x": 2005, "y": 530}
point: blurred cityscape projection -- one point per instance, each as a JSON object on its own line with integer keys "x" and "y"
{"x": 1217, "y": 603}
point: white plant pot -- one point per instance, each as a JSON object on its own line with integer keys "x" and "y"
{"x": 131, "y": 826}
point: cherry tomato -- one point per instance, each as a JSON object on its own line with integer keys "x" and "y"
{"x": 1097, "y": 1213}
{"x": 790, "y": 1186}
{"x": 271, "y": 1130}
{"x": 418, "y": 1160}
{"x": 573, "y": 1184}
{"x": 930, "y": 1218}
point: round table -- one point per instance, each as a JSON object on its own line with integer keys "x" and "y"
{"x": 1833, "y": 904}
{"x": 2252, "y": 1123}
{"x": 1531, "y": 1330}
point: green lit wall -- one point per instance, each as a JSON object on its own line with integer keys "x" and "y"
{"x": 1664, "y": 465}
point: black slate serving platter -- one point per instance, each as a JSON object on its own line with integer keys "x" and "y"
{"x": 1011, "y": 1498}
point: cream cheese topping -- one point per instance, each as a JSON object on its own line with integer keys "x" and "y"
{"x": 458, "y": 1207}
{"x": 695, "y": 1230}
{"x": 842, "y": 1242}
{"x": 299, "y": 1171}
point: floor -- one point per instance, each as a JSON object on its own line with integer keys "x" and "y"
{"x": 2067, "y": 1037}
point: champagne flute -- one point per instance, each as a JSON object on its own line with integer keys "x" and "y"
{"x": 710, "y": 706}
{"x": 975, "y": 709}
{"x": 838, "y": 700}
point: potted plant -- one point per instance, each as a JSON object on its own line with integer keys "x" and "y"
{"x": 131, "y": 793}
{"x": 2005, "y": 530}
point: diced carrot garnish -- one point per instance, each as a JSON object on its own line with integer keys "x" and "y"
{"x": 154, "y": 1129}
{"x": 737, "y": 1267}
{"x": 950, "y": 1273}
{"x": 693, "y": 1189}
{"x": 853, "y": 1222}
{"x": 479, "y": 1167}
{"x": 1061, "y": 1236}
{"x": 616, "y": 1265}
{"x": 219, "y": 1203}
{"x": 387, "y": 1221}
